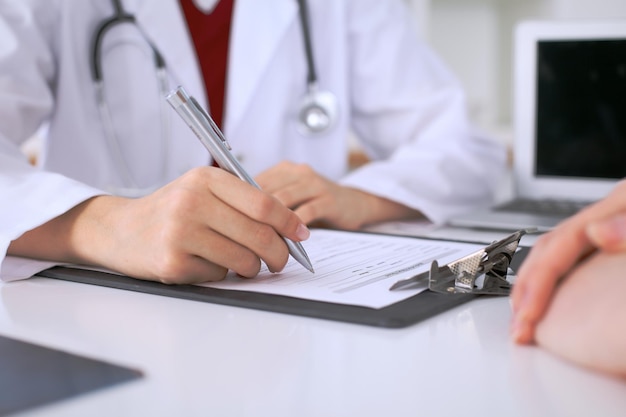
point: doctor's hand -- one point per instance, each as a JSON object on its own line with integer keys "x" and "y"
{"x": 557, "y": 254}
{"x": 191, "y": 230}
{"x": 317, "y": 199}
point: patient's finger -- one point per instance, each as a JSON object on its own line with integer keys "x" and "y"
{"x": 609, "y": 234}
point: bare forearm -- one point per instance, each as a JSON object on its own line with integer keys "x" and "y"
{"x": 378, "y": 209}
{"x": 586, "y": 320}
{"x": 71, "y": 237}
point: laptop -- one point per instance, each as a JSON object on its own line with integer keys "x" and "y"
{"x": 570, "y": 123}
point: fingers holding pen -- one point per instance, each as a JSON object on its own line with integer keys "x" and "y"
{"x": 252, "y": 219}
{"x": 259, "y": 206}
{"x": 239, "y": 242}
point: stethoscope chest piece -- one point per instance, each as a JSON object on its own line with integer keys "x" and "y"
{"x": 317, "y": 113}
{"x": 318, "y": 110}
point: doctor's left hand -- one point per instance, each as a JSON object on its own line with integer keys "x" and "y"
{"x": 317, "y": 199}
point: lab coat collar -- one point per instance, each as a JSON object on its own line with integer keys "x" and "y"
{"x": 255, "y": 34}
{"x": 164, "y": 24}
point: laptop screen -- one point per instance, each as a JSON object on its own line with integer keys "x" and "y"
{"x": 580, "y": 126}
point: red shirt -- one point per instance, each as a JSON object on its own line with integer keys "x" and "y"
{"x": 210, "y": 34}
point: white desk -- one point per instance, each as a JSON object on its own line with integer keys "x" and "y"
{"x": 204, "y": 359}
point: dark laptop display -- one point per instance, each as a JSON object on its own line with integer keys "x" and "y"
{"x": 581, "y": 109}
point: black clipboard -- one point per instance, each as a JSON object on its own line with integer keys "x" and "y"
{"x": 398, "y": 315}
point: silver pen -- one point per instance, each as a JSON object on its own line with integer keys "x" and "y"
{"x": 214, "y": 141}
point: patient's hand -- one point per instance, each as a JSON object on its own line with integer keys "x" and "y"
{"x": 586, "y": 319}
{"x": 601, "y": 226}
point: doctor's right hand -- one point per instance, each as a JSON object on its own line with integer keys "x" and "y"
{"x": 192, "y": 230}
{"x": 600, "y": 227}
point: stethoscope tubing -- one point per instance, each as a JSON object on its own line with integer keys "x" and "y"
{"x": 121, "y": 17}
{"x": 308, "y": 48}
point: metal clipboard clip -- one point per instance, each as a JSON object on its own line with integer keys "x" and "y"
{"x": 485, "y": 271}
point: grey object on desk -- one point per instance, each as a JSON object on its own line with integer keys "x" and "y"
{"x": 487, "y": 271}
{"x": 33, "y": 376}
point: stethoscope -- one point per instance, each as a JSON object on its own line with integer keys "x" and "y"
{"x": 318, "y": 109}
{"x": 317, "y": 112}
{"x": 132, "y": 189}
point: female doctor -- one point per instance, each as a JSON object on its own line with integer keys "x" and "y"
{"x": 123, "y": 183}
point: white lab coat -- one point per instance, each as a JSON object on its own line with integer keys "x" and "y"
{"x": 393, "y": 93}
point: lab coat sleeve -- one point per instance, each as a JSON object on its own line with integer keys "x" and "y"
{"x": 412, "y": 121}
{"x": 29, "y": 196}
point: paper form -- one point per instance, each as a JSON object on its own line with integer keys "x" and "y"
{"x": 352, "y": 268}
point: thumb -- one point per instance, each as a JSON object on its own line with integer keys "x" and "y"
{"x": 609, "y": 234}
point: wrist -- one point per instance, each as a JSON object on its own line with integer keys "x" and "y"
{"x": 92, "y": 229}
{"x": 74, "y": 236}
{"x": 377, "y": 209}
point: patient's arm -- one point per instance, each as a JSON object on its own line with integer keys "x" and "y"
{"x": 586, "y": 319}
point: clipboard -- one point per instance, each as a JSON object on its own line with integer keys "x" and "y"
{"x": 399, "y": 315}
